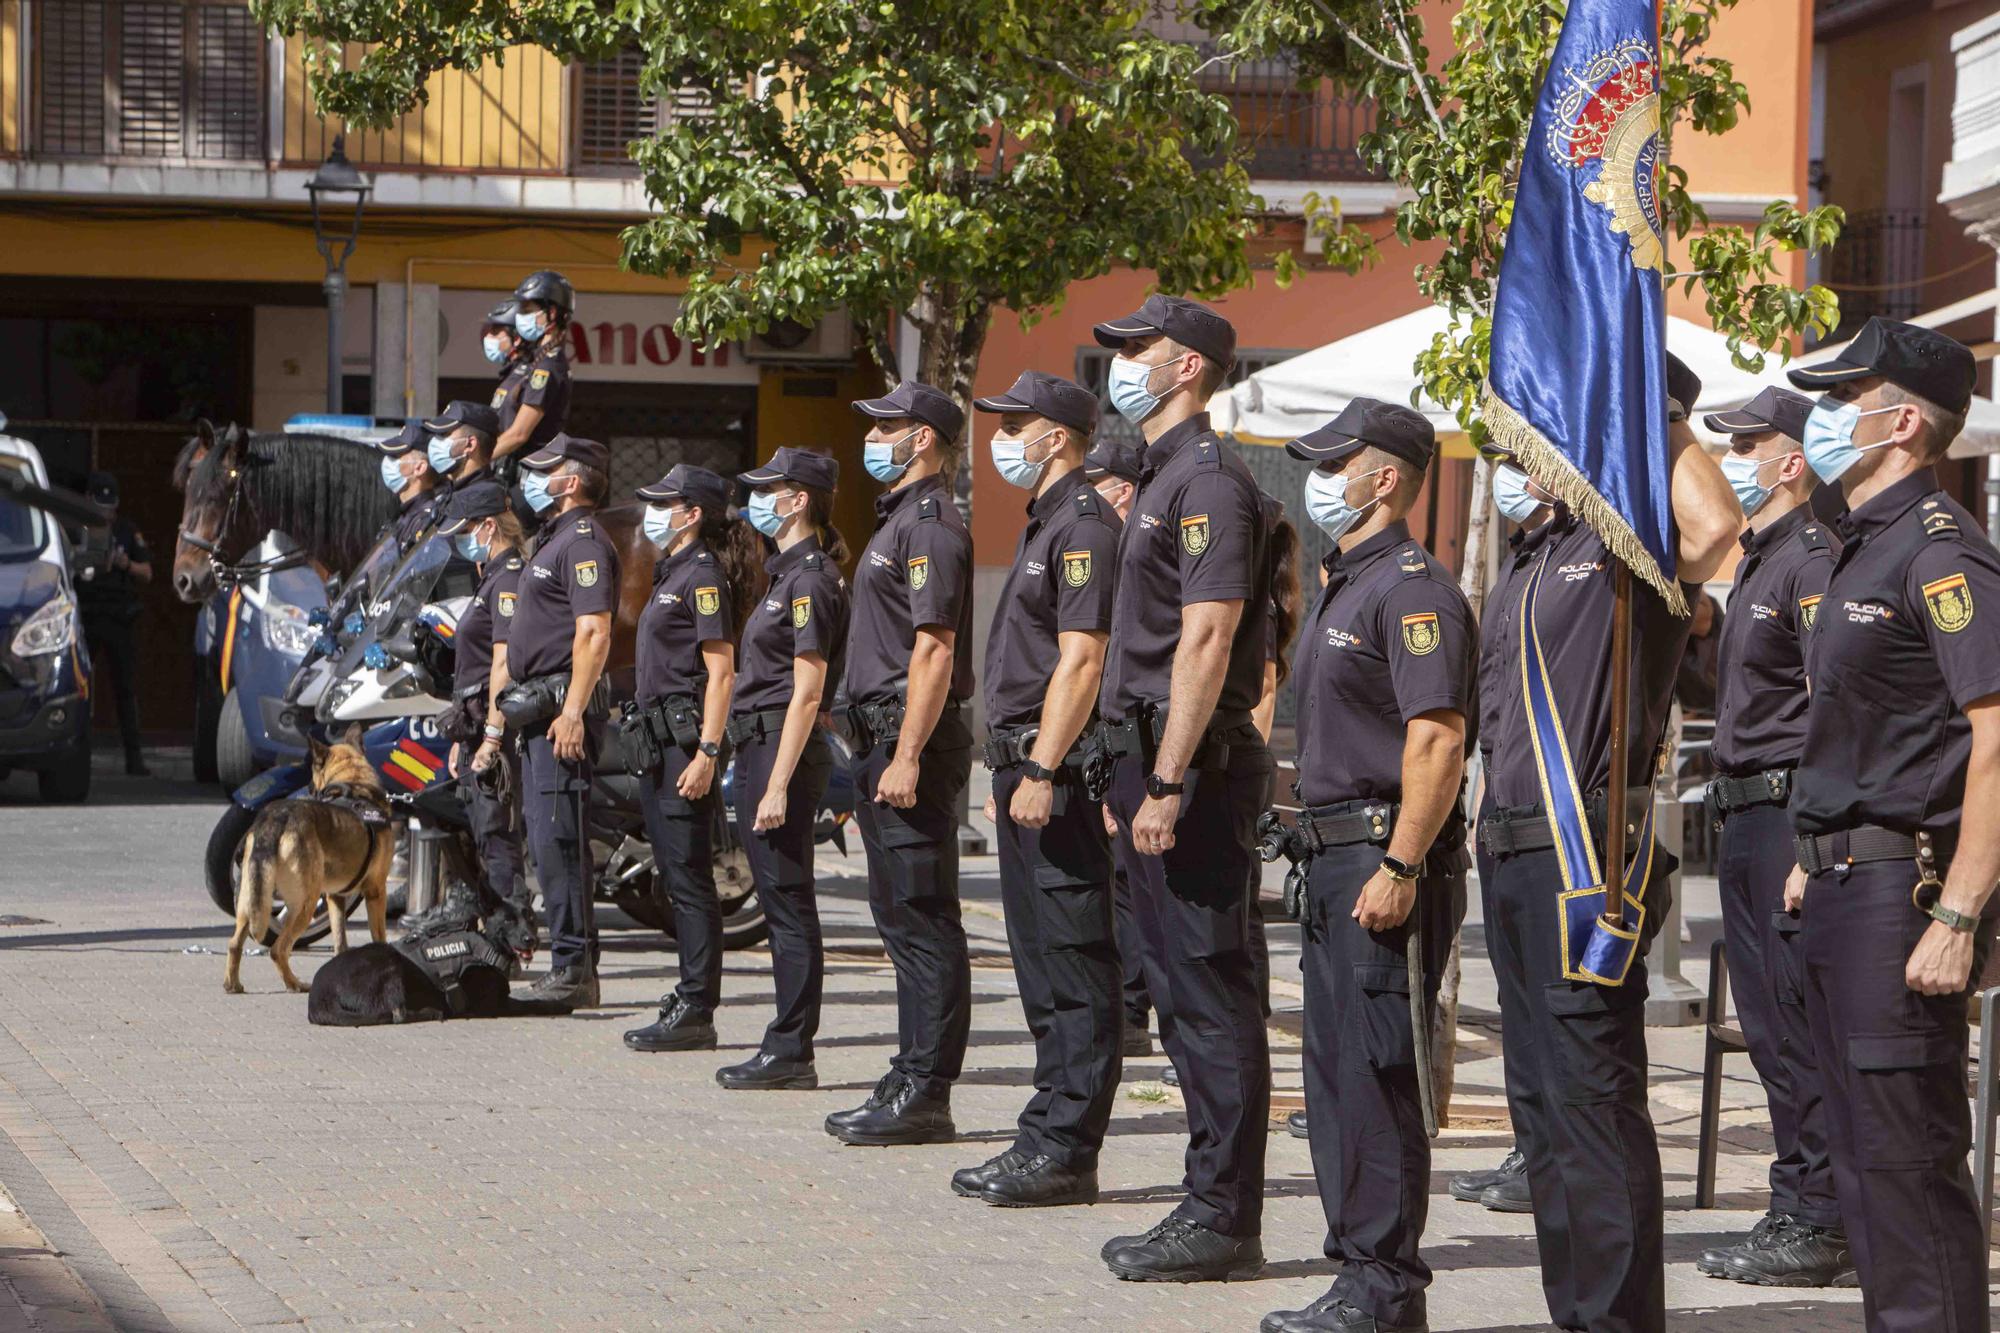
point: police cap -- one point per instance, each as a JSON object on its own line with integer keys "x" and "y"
{"x": 803, "y": 466}
{"x": 919, "y": 402}
{"x": 1773, "y": 408}
{"x": 1189, "y": 323}
{"x": 1924, "y": 361}
{"x": 408, "y": 438}
{"x": 566, "y": 448}
{"x": 1112, "y": 459}
{"x": 471, "y": 502}
{"x": 1399, "y": 431}
{"x": 1683, "y": 385}
{"x": 1062, "y": 401}
{"x": 460, "y": 412}
{"x": 696, "y": 485}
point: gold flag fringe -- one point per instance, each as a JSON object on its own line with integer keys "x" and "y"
{"x": 1554, "y": 473}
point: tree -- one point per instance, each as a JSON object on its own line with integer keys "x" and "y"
{"x": 916, "y": 159}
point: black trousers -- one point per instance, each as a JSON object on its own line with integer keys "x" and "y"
{"x": 781, "y": 869}
{"x": 555, "y": 806}
{"x": 1575, "y": 1058}
{"x": 496, "y": 828}
{"x": 1055, "y": 884}
{"x": 1132, "y": 966}
{"x": 1370, "y": 1153}
{"x": 113, "y": 644}
{"x": 1193, "y": 914}
{"x": 1767, "y": 969}
{"x": 682, "y": 833}
{"x": 1893, "y": 1063}
{"x": 913, "y": 894}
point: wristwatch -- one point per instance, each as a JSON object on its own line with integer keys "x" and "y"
{"x": 1399, "y": 869}
{"x": 493, "y": 732}
{"x": 1950, "y": 917}
{"x": 1159, "y": 788}
{"x": 1034, "y": 772}
{"x": 711, "y": 749}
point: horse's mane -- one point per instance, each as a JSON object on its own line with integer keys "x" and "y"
{"x": 324, "y": 491}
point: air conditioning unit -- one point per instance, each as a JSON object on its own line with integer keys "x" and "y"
{"x": 789, "y": 343}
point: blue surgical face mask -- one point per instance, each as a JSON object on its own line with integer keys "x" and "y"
{"x": 392, "y": 472}
{"x": 495, "y": 351}
{"x": 1511, "y": 493}
{"x": 879, "y": 457}
{"x": 1829, "y": 444}
{"x": 1327, "y": 506}
{"x": 659, "y": 526}
{"x": 1129, "y": 392}
{"x": 1010, "y": 459}
{"x": 530, "y": 327}
{"x": 472, "y": 550}
{"x": 763, "y": 513}
{"x": 439, "y": 453}
{"x": 535, "y": 490}
{"x": 1741, "y": 474}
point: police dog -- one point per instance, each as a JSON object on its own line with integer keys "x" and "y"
{"x": 332, "y": 842}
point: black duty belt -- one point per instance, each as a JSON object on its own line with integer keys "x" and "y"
{"x": 1771, "y": 787}
{"x": 1819, "y": 852}
{"x": 1010, "y": 747}
{"x": 1140, "y": 736}
{"x": 754, "y": 726}
{"x": 1346, "y": 824}
{"x": 882, "y": 720}
{"x": 1520, "y": 829}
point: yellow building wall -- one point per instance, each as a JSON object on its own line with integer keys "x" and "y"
{"x": 793, "y": 409}
{"x": 10, "y": 73}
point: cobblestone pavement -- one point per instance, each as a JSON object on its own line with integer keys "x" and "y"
{"x": 208, "y": 1162}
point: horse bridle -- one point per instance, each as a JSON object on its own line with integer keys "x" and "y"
{"x": 228, "y": 573}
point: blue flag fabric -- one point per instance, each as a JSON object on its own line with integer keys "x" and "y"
{"x": 1577, "y": 388}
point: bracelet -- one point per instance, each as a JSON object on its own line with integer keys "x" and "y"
{"x": 494, "y": 733}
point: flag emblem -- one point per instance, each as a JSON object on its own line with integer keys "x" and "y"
{"x": 1076, "y": 568}
{"x": 1809, "y": 612}
{"x": 506, "y": 603}
{"x": 1950, "y": 601}
{"x": 499, "y": 396}
{"x": 802, "y": 612}
{"x": 1609, "y": 114}
{"x": 586, "y": 573}
{"x": 538, "y": 379}
{"x": 1420, "y": 633}
{"x": 920, "y": 572}
{"x": 707, "y": 600}
{"x": 1194, "y": 534}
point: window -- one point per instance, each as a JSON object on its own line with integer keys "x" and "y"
{"x": 614, "y": 109}
{"x": 155, "y": 80}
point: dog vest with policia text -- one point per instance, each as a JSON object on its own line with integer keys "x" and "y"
{"x": 1592, "y": 950}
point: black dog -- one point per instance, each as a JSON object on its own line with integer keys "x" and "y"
{"x": 460, "y": 974}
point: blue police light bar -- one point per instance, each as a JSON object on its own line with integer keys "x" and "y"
{"x": 352, "y": 425}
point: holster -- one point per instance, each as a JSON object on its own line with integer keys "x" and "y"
{"x": 1140, "y": 735}
{"x": 870, "y": 724}
{"x": 642, "y": 747}
{"x": 676, "y": 720}
{"x": 535, "y": 702}
{"x": 465, "y": 721}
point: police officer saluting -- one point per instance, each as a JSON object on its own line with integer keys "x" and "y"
{"x": 534, "y": 413}
{"x": 909, "y": 667}
{"x": 1901, "y": 742}
{"x": 793, "y": 641}
{"x": 687, "y": 668}
{"x": 1044, "y": 664}
{"x": 1189, "y": 773}
{"x": 406, "y": 471}
{"x": 1387, "y": 669}
{"x": 1760, "y": 725}
{"x": 560, "y": 640}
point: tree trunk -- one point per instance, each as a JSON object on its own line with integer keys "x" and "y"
{"x": 1444, "y": 1017}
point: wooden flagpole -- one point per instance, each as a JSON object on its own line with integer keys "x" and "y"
{"x": 1614, "y": 789}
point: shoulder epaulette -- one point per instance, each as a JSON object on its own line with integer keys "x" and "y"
{"x": 814, "y": 561}
{"x": 1813, "y": 537}
{"x": 514, "y": 562}
{"x": 927, "y": 509}
{"x": 1939, "y": 524}
{"x": 704, "y": 557}
{"x": 1411, "y": 561}
{"x": 583, "y": 527}
{"x": 1207, "y": 451}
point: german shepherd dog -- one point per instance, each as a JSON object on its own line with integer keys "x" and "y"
{"x": 332, "y": 843}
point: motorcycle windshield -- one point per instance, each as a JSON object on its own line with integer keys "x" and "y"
{"x": 428, "y": 571}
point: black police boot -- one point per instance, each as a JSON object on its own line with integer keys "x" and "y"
{"x": 1802, "y": 1255}
{"x": 883, "y": 1091}
{"x": 1296, "y": 1125}
{"x": 1182, "y": 1250}
{"x": 1042, "y": 1182}
{"x": 680, "y": 1027}
{"x": 967, "y": 1181}
{"x": 1137, "y": 1043}
{"x": 457, "y": 910}
{"x": 1714, "y": 1261}
{"x": 1331, "y": 1314}
{"x": 765, "y": 1072}
{"x": 1509, "y": 1196}
{"x": 908, "y": 1116}
{"x": 1467, "y": 1186}
{"x": 573, "y": 986}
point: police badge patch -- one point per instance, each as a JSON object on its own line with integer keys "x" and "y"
{"x": 1194, "y": 534}
{"x": 802, "y": 612}
{"x": 499, "y": 396}
{"x": 1420, "y": 633}
{"x": 1950, "y": 601}
{"x": 586, "y": 573}
{"x": 920, "y": 572}
{"x": 538, "y": 379}
{"x": 1809, "y": 611}
{"x": 506, "y": 603}
{"x": 1076, "y": 568}
{"x": 708, "y": 601}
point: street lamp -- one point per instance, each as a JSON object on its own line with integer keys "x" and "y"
{"x": 330, "y": 187}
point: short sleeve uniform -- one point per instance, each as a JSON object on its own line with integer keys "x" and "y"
{"x": 573, "y": 572}
{"x": 804, "y": 611}
{"x": 507, "y": 393}
{"x": 690, "y": 606}
{"x": 546, "y": 387}
{"x": 1761, "y": 697}
{"x": 916, "y": 572}
{"x": 1064, "y": 572}
{"x": 487, "y": 621}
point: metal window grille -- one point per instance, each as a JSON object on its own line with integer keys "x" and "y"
{"x": 1883, "y": 250}
{"x": 615, "y": 108}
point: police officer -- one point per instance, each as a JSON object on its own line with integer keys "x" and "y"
{"x": 1760, "y": 725}
{"x": 909, "y": 670}
{"x": 1044, "y": 664}
{"x": 500, "y": 344}
{"x": 460, "y": 440}
{"x": 1189, "y": 772}
{"x": 534, "y": 413}
{"x": 485, "y": 532}
{"x": 1387, "y": 673}
{"x": 107, "y": 590}
{"x": 1575, "y": 1051}
{"x": 791, "y": 657}
{"x": 686, "y": 670}
{"x": 1114, "y": 470}
{"x": 406, "y": 471}
{"x": 562, "y": 636}
{"x": 1902, "y": 741}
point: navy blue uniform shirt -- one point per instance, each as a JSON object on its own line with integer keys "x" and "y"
{"x": 1760, "y": 669}
{"x": 805, "y": 610}
{"x": 690, "y": 606}
{"x": 572, "y": 572}
{"x": 916, "y": 571}
{"x": 1065, "y": 569}
{"x": 487, "y": 621}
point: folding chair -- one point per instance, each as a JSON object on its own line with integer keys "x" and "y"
{"x": 1723, "y": 1040}
{"x": 1983, "y": 1115}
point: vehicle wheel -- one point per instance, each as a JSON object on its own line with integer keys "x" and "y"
{"x": 69, "y": 780}
{"x": 636, "y": 900}
{"x": 222, "y": 864}
{"x": 207, "y": 716}
{"x": 234, "y": 764}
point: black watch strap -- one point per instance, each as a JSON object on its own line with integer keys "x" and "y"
{"x": 1158, "y": 787}
{"x": 711, "y": 749}
{"x": 1034, "y": 771}
{"x": 1398, "y": 868}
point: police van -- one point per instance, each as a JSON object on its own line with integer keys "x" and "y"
{"x": 44, "y": 664}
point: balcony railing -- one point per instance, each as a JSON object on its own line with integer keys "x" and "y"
{"x": 1295, "y": 133}
{"x": 1877, "y": 266}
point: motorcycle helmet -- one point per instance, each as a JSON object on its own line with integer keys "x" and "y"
{"x": 502, "y": 316}
{"x": 549, "y": 288}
